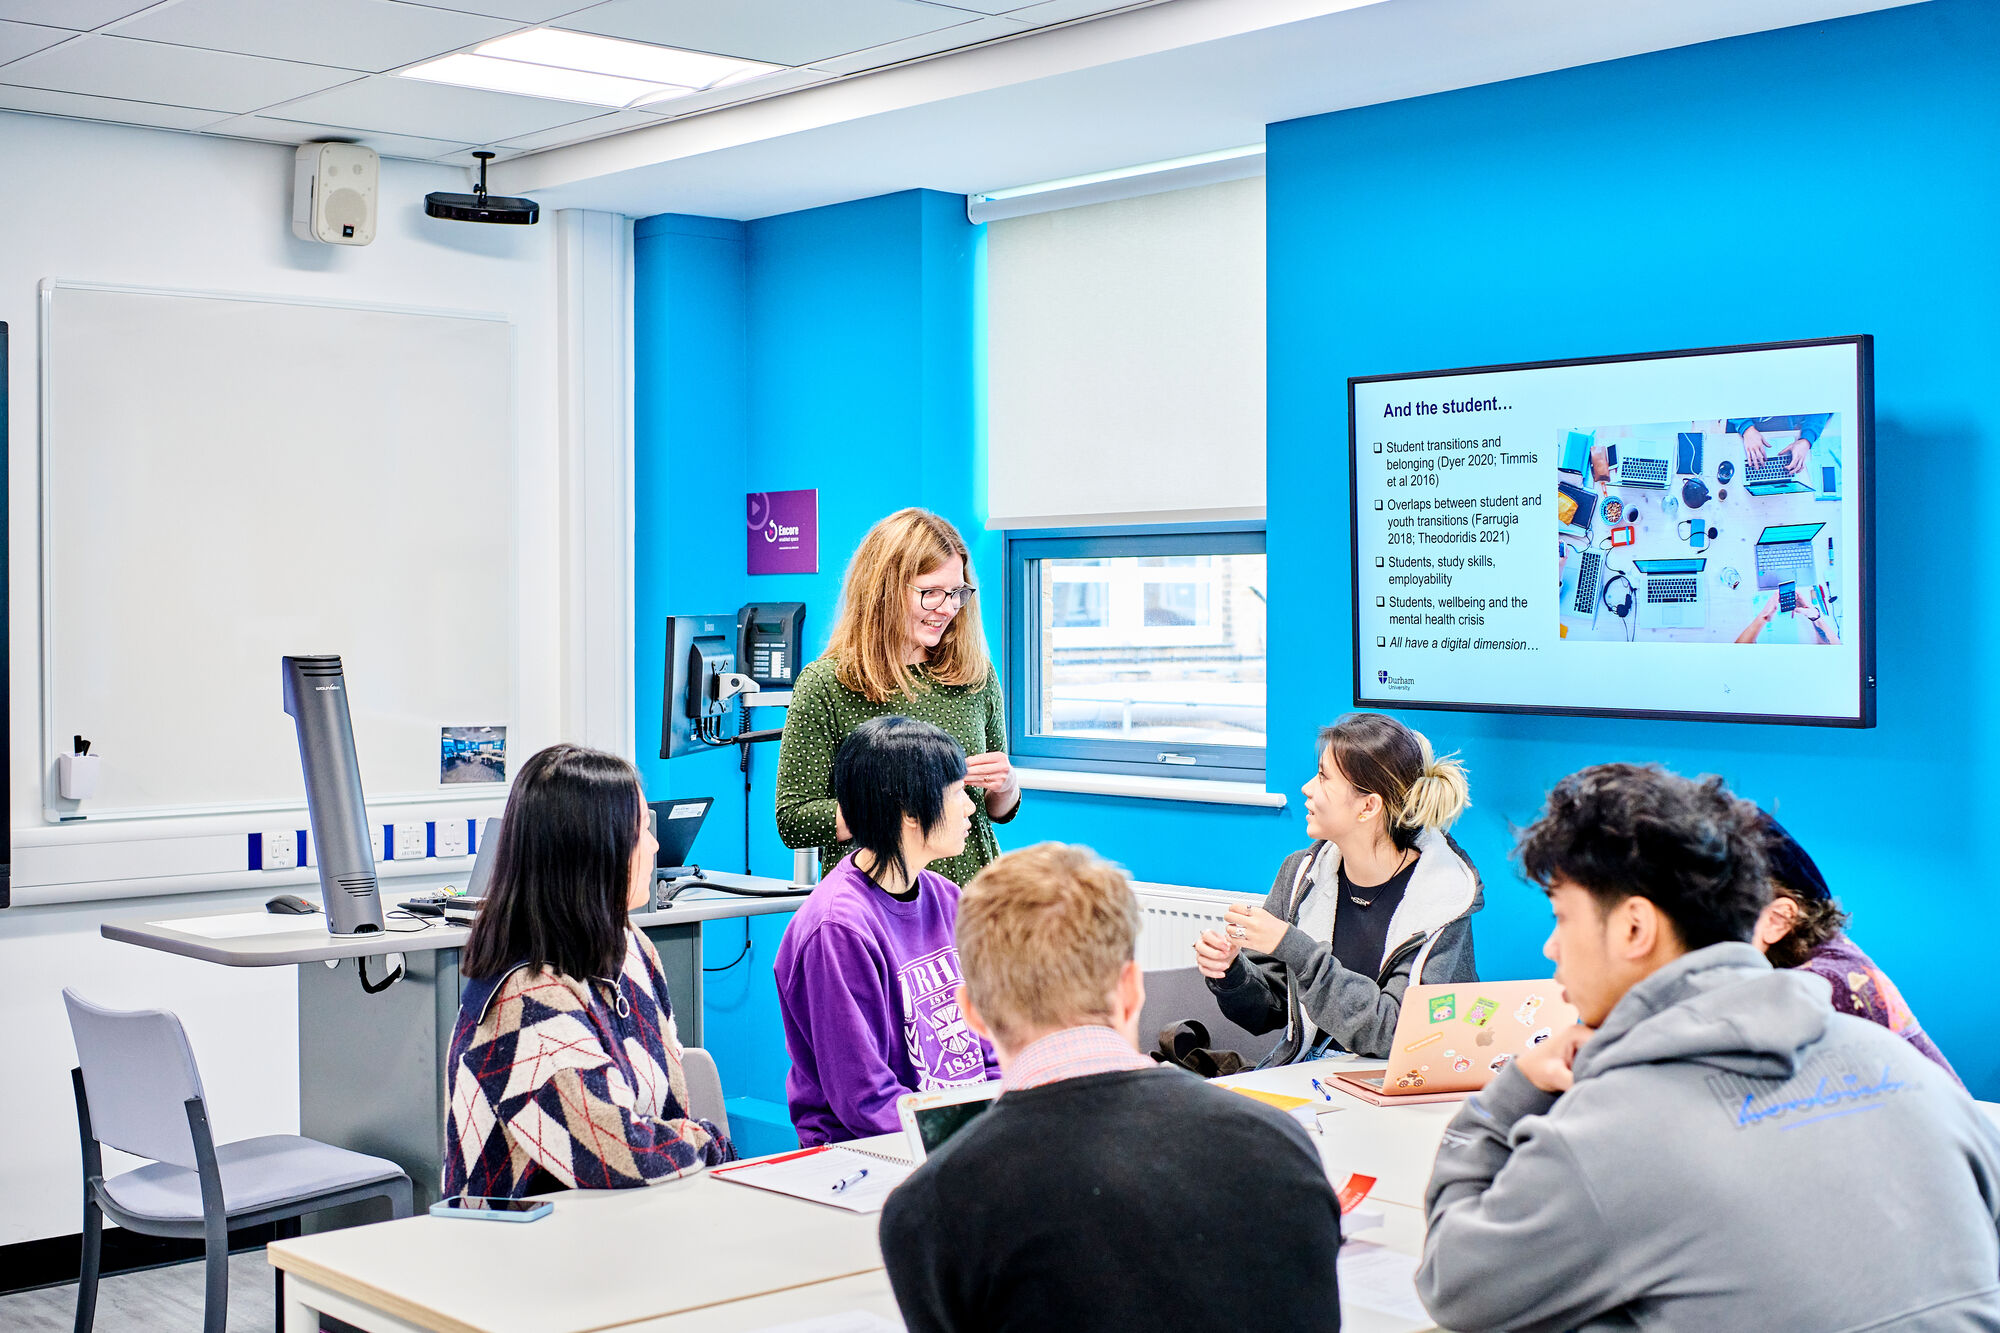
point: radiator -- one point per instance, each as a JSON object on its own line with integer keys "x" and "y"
{"x": 1172, "y": 915}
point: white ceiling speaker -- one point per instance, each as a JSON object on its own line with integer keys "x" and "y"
{"x": 334, "y": 187}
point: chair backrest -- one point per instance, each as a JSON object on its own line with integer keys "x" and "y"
{"x": 704, "y": 1082}
{"x": 1178, "y": 993}
{"x": 138, "y": 1072}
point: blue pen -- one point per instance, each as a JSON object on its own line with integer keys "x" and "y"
{"x": 1321, "y": 1089}
{"x": 854, "y": 1179}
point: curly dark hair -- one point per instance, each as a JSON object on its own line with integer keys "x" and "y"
{"x": 1817, "y": 921}
{"x": 1635, "y": 830}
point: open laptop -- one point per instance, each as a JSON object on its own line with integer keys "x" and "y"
{"x": 1672, "y": 594}
{"x": 1785, "y": 555}
{"x": 1774, "y": 475}
{"x": 1452, "y": 1040}
{"x": 1648, "y": 470}
{"x": 1583, "y": 586}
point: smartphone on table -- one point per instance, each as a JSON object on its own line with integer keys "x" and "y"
{"x": 491, "y": 1210}
{"x": 1788, "y": 596}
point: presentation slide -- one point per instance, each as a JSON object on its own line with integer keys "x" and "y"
{"x": 1676, "y": 534}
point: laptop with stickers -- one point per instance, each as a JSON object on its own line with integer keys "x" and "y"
{"x": 1451, "y": 1040}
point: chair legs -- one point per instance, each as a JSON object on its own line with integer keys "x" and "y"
{"x": 215, "y": 1305}
{"x": 93, "y": 1248}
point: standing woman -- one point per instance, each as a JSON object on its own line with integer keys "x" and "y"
{"x": 1382, "y": 900}
{"x": 907, "y": 640}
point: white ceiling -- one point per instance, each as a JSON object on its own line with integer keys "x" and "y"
{"x": 1188, "y": 77}
{"x": 292, "y": 71}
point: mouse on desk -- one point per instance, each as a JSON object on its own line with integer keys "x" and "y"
{"x": 290, "y": 904}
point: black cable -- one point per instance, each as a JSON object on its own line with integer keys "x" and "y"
{"x": 739, "y": 957}
{"x": 743, "y": 728}
{"x": 361, "y": 966}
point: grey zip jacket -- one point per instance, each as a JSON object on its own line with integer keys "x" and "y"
{"x": 1734, "y": 1155}
{"x": 1430, "y": 937}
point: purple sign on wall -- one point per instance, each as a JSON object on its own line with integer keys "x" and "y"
{"x": 784, "y": 532}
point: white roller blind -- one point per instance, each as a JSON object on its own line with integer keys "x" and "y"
{"x": 1125, "y": 360}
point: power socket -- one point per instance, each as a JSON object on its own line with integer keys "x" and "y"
{"x": 450, "y": 839}
{"x": 412, "y": 842}
{"x": 281, "y": 849}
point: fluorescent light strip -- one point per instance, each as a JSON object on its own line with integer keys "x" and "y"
{"x": 1123, "y": 173}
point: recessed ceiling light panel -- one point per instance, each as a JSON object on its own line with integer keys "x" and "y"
{"x": 513, "y": 76}
{"x": 561, "y": 49}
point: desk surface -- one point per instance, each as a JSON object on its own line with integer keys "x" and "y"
{"x": 729, "y": 1257}
{"x": 310, "y": 943}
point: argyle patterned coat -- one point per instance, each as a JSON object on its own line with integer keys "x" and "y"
{"x": 557, "y": 1083}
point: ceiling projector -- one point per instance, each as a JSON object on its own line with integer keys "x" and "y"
{"x": 480, "y": 206}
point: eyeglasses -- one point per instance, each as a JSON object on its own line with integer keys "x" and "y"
{"x": 933, "y": 598}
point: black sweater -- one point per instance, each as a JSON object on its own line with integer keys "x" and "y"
{"x": 1126, "y": 1201}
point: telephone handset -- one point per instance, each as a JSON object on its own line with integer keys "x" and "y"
{"x": 769, "y": 638}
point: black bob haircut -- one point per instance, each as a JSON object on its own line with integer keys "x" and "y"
{"x": 562, "y": 869}
{"x": 1635, "y": 830}
{"x": 889, "y": 767}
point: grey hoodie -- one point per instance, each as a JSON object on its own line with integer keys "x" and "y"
{"x": 1430, "y": 938}
{"x": 1734, "y": 1155}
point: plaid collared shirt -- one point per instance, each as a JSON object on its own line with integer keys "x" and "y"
{"x": 1073, "y": 1053}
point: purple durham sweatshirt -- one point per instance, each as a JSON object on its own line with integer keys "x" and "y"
{"x": 868, "y": 987}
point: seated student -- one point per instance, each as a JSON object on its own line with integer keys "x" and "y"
{"x": 1382, "y": 899}
{"x": 1803, "y": 927}
{"x": 565, "y": 1069}
{"x": 1712, "y": 1147}
{"x": 1101, "y": 1191}
{"x": 868, "y": 972}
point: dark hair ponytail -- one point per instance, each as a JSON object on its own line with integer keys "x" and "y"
{"x": 562, "y": 869}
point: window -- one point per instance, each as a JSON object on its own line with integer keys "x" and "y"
{"x": 1138, "y": 650}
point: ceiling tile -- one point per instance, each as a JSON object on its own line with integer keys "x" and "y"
{"x": 914, "y": 48}
{"x": 78, "y": 15}
{"x": 272, "y": 130}
{"x": 104, "y": 108}
{"x": 1062, "y": 11}
{"x": 594, "y": 128}
{"x": 782, "y": 32}
{"x": 176, "y": 75}
{"x": 521, "y": 11}
{"x": 763, "y": 85}
{"x": 431, "y": 110}
{"x": 368, "y": 35}
{"x": 20, "y": 39}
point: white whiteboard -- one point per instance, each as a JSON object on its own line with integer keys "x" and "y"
{"x": 227, "y": 479}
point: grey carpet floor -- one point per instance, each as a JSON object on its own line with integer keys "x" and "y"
{"x": 158, "y": 1300}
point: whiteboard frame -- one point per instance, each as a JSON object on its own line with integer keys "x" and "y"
{"x": 45, "y": 620}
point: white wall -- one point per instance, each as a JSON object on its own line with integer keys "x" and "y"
{"x": 114, "y": 204}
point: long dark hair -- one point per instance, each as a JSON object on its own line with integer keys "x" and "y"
{"x": 562, "y": 869}
{"x": 889, "y": 767}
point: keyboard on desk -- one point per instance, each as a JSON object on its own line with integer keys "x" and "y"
{"x": 1651, "y": 472}
{"x": 1771, "y": 472}
{"x": 1786, "y": 561}
{"x": 1671, "y": 590}
{"x": 1588, "y": 566}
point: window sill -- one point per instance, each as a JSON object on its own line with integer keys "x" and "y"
{"x": 1207, "y": 791}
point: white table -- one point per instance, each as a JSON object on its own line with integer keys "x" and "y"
{"x": 706, "y": 1254}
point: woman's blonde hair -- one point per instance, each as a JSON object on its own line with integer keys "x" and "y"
{"x": 1380, "y": 756}
{"x": 870, "y": 632}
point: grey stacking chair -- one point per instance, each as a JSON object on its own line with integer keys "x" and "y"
{"x": 137, "y": 1090}
{"x": 704, "y": 1084}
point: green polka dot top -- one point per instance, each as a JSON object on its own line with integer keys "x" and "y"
{"x": 824, "y": 711}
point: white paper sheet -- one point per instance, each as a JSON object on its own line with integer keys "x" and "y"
{"x": 1383, "y": 1280}
{"x": 812, "y": 1174}
{"x": 244, "y": 924}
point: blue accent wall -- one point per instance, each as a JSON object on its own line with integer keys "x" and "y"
{"x": 831, "y": 349}
{"x": 1836, "y": 178}
{"x": 1829, "y": 179}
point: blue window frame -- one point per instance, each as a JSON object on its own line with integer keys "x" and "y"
{"x": 1138, "y": 649}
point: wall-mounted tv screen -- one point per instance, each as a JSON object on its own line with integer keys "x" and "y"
{"x": 1668, "y": 534}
